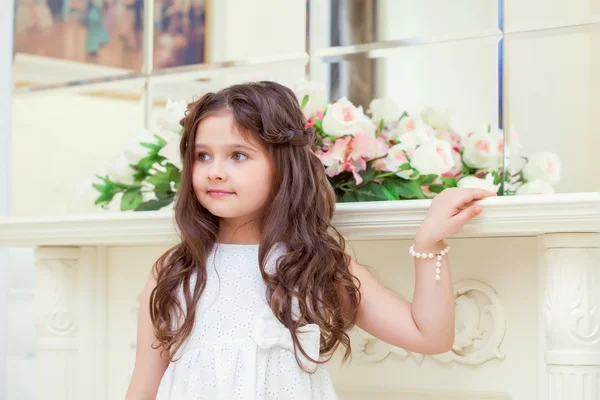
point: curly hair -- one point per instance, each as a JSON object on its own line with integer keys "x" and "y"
{"x": 314, "y": 270}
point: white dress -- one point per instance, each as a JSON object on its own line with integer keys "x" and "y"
{"x": 237, "y": 348}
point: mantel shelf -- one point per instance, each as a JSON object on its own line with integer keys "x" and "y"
{"x": 502, "y": 216}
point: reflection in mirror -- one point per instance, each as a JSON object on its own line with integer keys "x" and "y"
{"x": 545, "y": 14}
{"x": 69, "y": 40}
{"x": 554, "y": 98}
{"x": 180, "y": 36}
{"x": 192, "y": 85}
{"x": 459, "y": 76}
{"x": 201, "y": 31}
{"x": 361, "y": 22}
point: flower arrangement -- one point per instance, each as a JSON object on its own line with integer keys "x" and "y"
{"x": 385, "y": 155}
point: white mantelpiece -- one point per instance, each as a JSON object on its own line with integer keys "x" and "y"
{"x": 504, "y": 216}
{"x": 526, "y": 278}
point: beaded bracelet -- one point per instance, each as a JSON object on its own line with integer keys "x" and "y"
{"x": 439, "y": 256}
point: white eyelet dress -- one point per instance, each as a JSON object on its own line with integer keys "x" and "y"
{"x": 237, "y": 348}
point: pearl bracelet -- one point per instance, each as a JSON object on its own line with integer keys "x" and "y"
{"x": 439, "y": 256}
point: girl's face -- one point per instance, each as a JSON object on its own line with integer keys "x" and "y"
{"x": 232, "y": 178}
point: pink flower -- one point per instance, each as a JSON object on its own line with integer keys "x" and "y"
{"x": 458, "y": 165}
{"x": 380, "y": 165}
{"x": 368, "y": 147}
{"x": 320, "y": 114}
{"x": 340, "y": 157}
{"x": 452, "y": 138}
{"x": 309, "y": 123}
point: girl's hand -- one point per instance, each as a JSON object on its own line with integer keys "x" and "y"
{"x": 449, "y": 212}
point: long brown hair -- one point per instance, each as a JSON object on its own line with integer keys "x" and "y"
{"x": 314, "y": 269}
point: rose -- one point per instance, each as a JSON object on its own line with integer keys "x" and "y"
{"x": 535, "y": 187}
{"x": 433, "y": 157}
{"x": 120, "y": 170}
{"x": 483, "y": 150}
{"x": 340, "y": 157}
{"x": 384, "y": 109}
{"x": 453, "y": 138}
{"x": 171, "y": 150}
{"x": 458, "y": 165}
{"x": 316, "y": 100}
{"x": 415, "y": 137}
{"x": 477, "y": 183}
{"x": 343, "y": 118}
{"x": 436, "y": 118}
{"x": 367, "y": 146}
{"x": 543, "y": 166}
{"x": 172, "y": 114}
{"x": 396, "y": 157}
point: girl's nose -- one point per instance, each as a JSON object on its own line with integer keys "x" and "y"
{"x": 217, "y": 172}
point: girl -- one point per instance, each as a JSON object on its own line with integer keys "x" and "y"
{"x": 259, "y": 293}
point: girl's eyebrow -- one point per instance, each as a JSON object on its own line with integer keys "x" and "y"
{"x": 230, "y": 146}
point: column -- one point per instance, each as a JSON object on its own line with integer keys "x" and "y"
{"x": 71, "y": 318}
{"x": 571, "y": 317}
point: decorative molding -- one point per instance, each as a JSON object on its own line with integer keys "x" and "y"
{"x": 502, "y": 216}
{"x": 572, "y": 301}
{"x": 480, "y": 328}
{"x": 571, "y": 316}
{"x": 56, "y": 297}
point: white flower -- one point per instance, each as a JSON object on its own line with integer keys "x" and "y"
{"x": 543, "y": 166}
{"x": 384, "y": 109}
{"x": 171, "y": 150}
{"x": 172, "y": 114}
{"x": 433, "y": 157}
{"x": 395, "y": 158}
{"x": 414, "y": 138}
{"x": 411, "y": 131}
{"x": 436, "y": 118}
{"x": 483, "y": 150}
{"x": 120, "y": 171}
{"x": 148, "y": 192}
{"x": 535, "y": 187}
{"x": 317, "y": 99}
{"x": 478, "y": 183}
{"x": 134, "y": 151}
{"x": 343, "y": 118}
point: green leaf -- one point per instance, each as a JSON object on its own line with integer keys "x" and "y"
{"x": 131, "y": 200}
{"x": 409, "y": 189}
{"x": 318, "y": 124}
{"x": 348, "y": 197}
{"x": 390, "y": 190}
{"x": 404, "y": 114}
{"x": 304, "y": 101}
{"x": 381, "y": 124}
{"x": 372, "y": 192}
{"x": 153, "y": 205}
{"x": 404, "y": 167}
{"x": 449, "y": 182}
{"x": 367, "y": 176}
{"x": 436, "y": 188}
{"x": 427, "y": 179}
{"x": 165, "y": 195}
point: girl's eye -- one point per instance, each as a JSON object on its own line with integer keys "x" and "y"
{"x": 239, "y": 156}
{"x": 203, "y": 156}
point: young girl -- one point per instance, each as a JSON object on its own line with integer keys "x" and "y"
{"x": 259, "y": 293}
